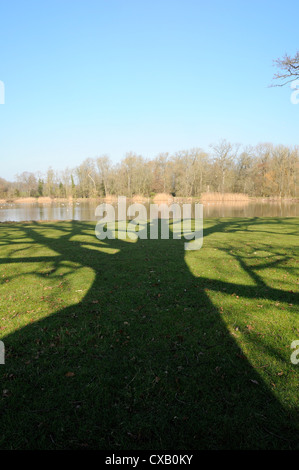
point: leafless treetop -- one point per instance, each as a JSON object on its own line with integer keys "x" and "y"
{"x": 288, "y": 69}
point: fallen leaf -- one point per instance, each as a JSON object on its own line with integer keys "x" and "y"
{"x": 254, "y": 382}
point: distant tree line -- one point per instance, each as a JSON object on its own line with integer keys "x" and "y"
{"x": 263, "y": 170}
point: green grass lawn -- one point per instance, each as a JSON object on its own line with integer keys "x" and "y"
{"x": 142, "y": 345}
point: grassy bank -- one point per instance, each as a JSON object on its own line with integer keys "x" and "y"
{"x": 142, "y": 345}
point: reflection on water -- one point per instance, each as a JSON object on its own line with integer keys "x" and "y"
{"x": 86, "y": 210}
{"x": 252, "y": 209}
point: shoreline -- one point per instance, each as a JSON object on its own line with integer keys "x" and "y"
{"x": 109, "y": 199}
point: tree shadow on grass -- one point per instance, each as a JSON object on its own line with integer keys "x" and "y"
{"x": 142, "y": 361}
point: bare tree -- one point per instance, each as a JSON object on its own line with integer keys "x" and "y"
{"x": 104, "y": 170}
{"x": 27, "y": 184}
{"x": 224, "y": 155}
{"x": 86, "y": 178}
{"x": 243, "y": 180}
{"x": 288, "y": 69}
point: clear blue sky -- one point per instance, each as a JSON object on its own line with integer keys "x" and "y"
{"x": 87, "y": 77}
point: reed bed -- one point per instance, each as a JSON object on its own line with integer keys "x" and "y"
{"x": 110, "y": 198}
{"x": 25, "y": 200}
{"x": 44, "y": 200}
{"x": 161, "y": 198}
{"x": 138, "y": 198}
{"x": 183, "y": 200}
{"x": 224, "y": 197}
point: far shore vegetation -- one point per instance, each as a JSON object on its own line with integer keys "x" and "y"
{"x": 226, "y": 172}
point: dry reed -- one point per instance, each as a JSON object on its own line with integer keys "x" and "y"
{"x": 161, "y": 198}
{"x": 224, "y": 197}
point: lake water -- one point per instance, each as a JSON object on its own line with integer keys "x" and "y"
{"x": 86, "y": 210}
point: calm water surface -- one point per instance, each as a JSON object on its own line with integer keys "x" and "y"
{"x": 86, "y": 210}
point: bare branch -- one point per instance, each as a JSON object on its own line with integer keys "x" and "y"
{"x": 289, "y": 69}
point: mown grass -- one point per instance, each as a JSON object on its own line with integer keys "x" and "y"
{"x": 142, "y": 345}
